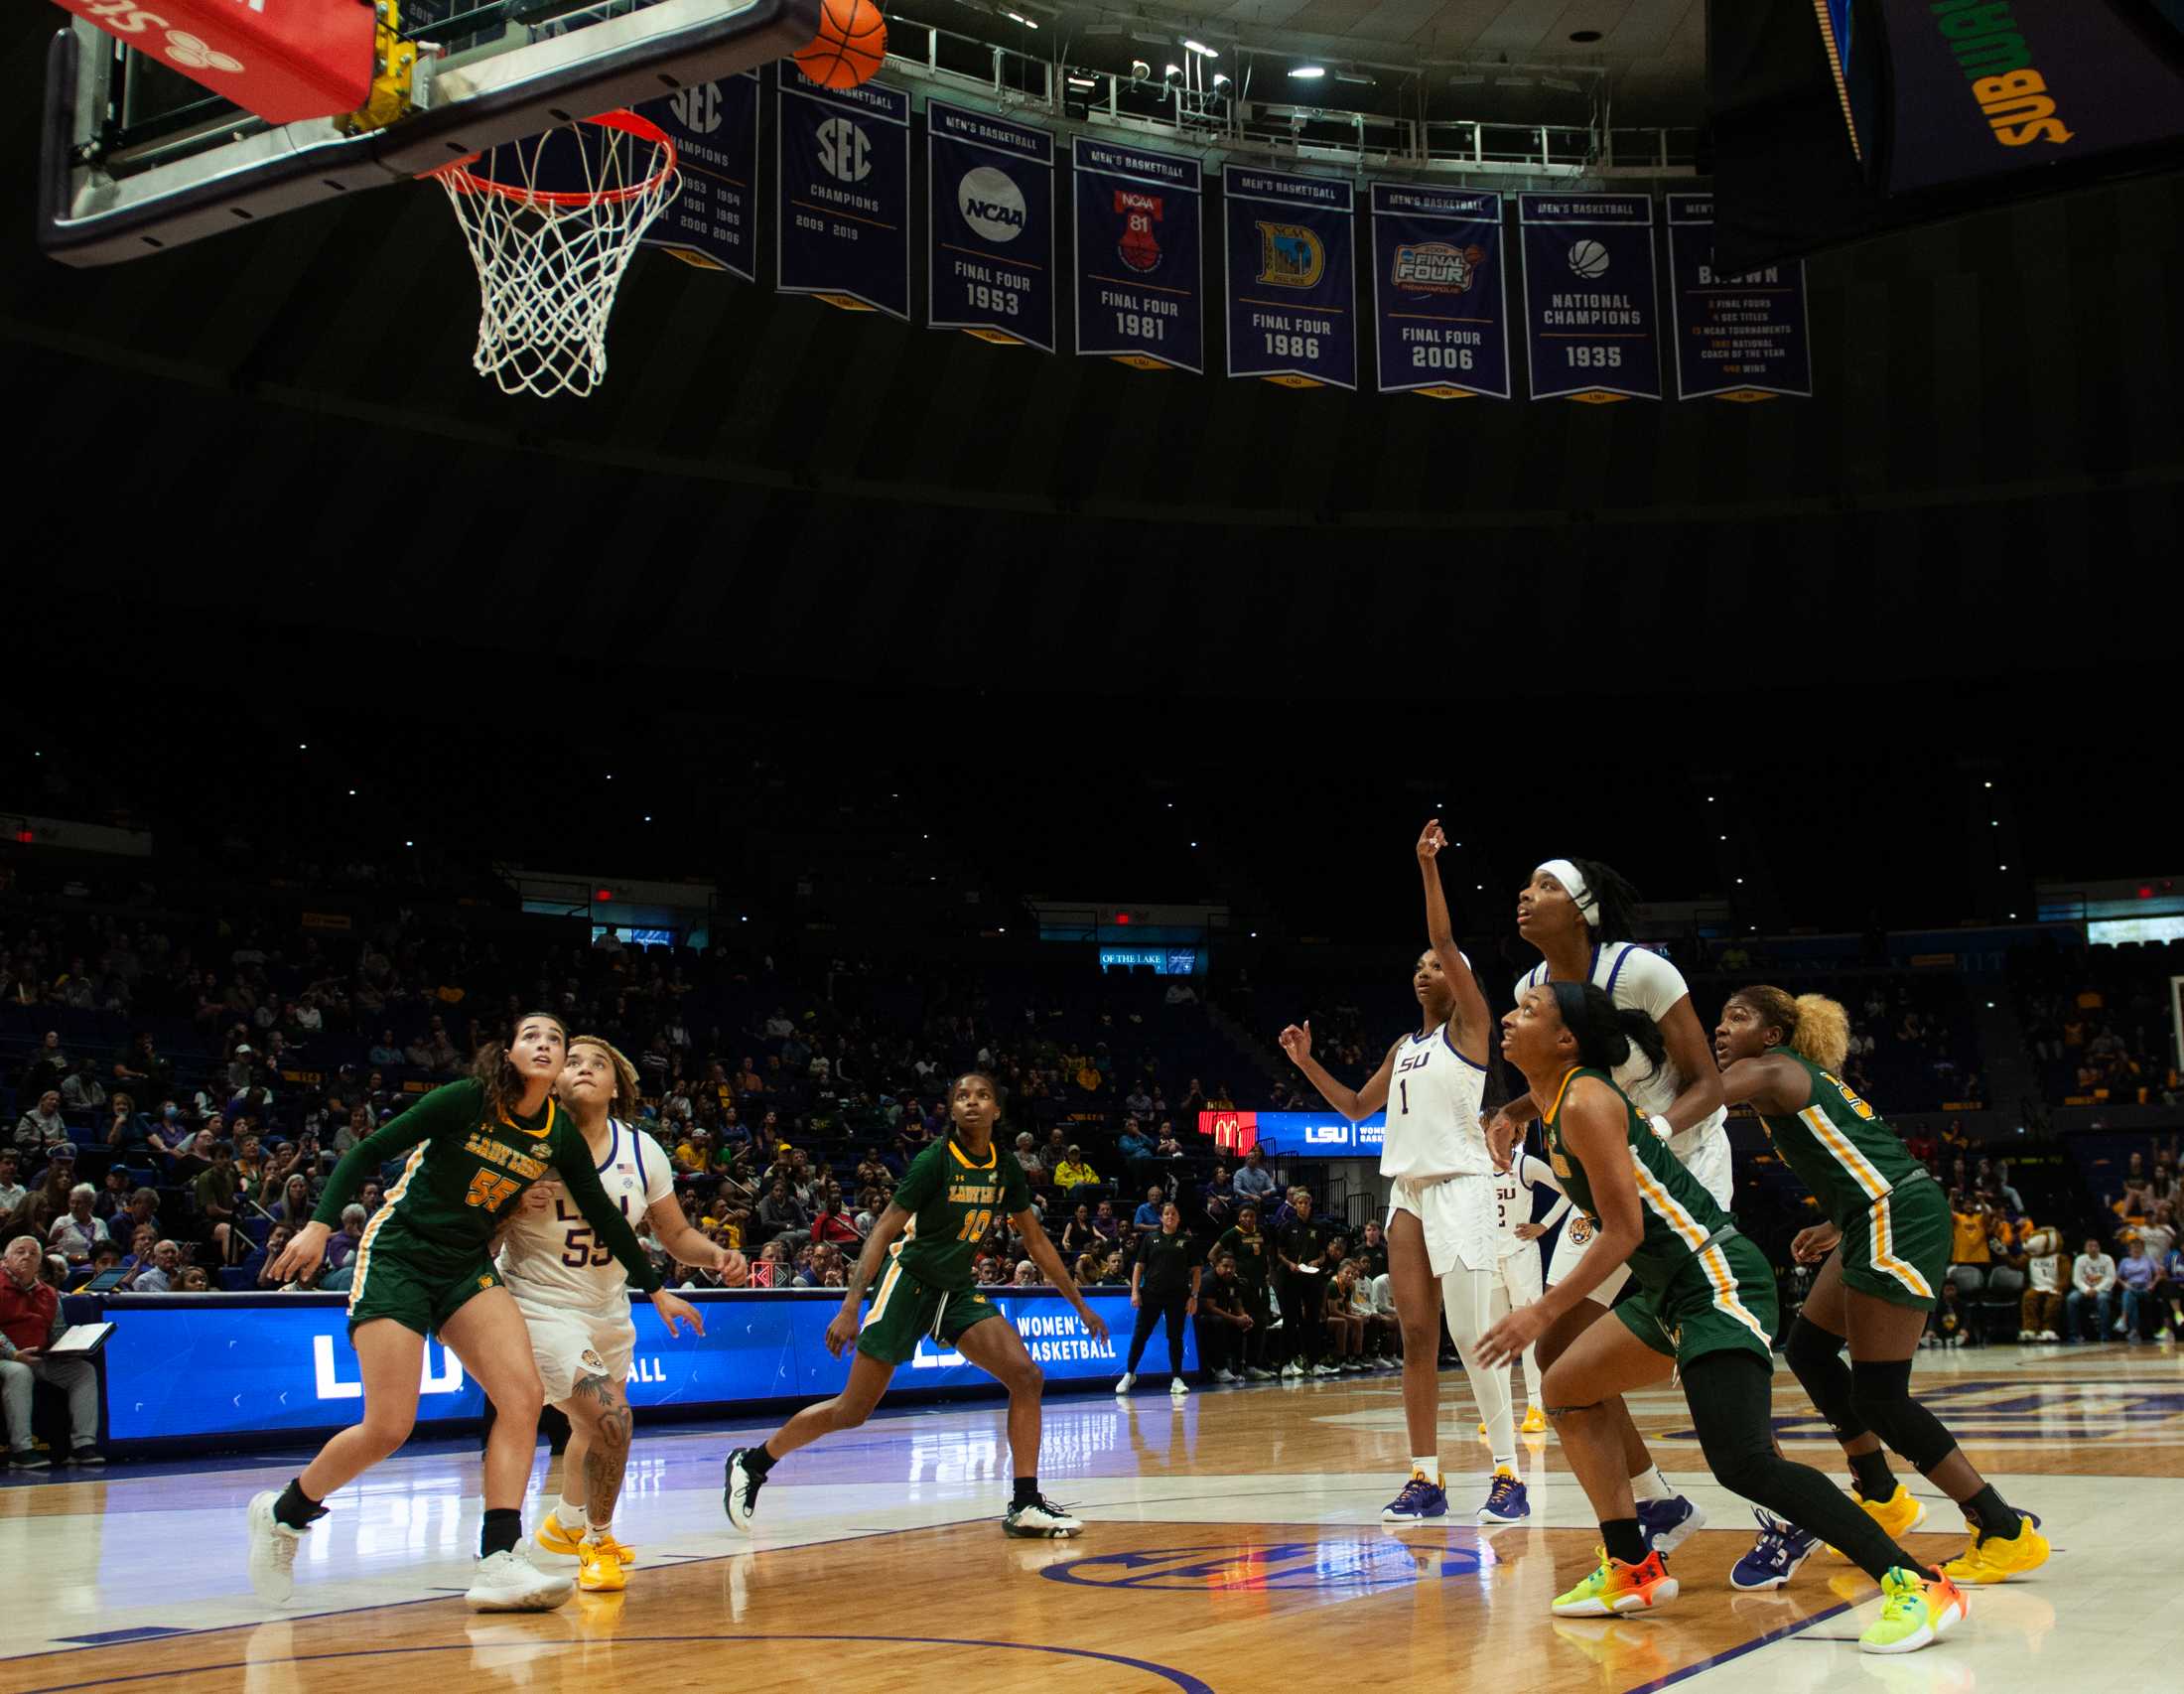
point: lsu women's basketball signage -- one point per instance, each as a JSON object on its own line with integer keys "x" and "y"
{"x": 989, "y": 186}
{"x": 1292, "y": 288}
{"x": 842, "y": 184}
{"x": 713, "y": 223}
{"x": 1139, "y": 256}
{"x": 1738, "y": 337}
{"x": 1592, "y": 305}
{"x": 1437, "y": 294}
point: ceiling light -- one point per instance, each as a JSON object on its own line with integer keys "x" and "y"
{"x": 1353, "y": 76}
{"x": 1200, "y": 49}
{"x": 1308, "y": 72}
{"x": 1171, "y": 70}
{"x": 1220, "y": 79}
{"x": 1463, "y": 80}
{"x": 1019, "y": 18}
{"x": 1140, "y": 70}
{"x": 1083, "y": 82}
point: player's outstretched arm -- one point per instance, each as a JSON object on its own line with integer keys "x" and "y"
{"x": 1296, "y": 1041}
{"x": 1770, "y": 1083}
{"x": 1470, "y": 1014}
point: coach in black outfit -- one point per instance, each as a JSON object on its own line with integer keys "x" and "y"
{"x": 1163, "y": 1284}
{"x": 1303, "y": 1241}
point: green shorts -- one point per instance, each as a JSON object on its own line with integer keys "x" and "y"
{"x": 906, "y": 1311}
{"x": 1724, "y": 1298}
{"x": 1898, "y": 1247}
{"x": 419, "y": 1284}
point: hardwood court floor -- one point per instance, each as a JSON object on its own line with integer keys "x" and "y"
{"x": 1233, "y": 1544}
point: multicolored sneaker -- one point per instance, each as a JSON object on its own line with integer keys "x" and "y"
{"x": 1616, "y": 1588}
{"x": 1998, "y": 1558}
{"x": 1915, "y": 1613}
{"x": 1506, "y": 1500}
{"x": 1898, "y": 1514}
{"x": 1669, "y": 1523}
{"x": 1775, "y": 1556}
{"x": 1419, "y": 1500}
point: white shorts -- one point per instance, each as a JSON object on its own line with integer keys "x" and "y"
{"x": 571, "y": 1342}
{"x": 1707, "y": 1158}
{"x": 1457, "y": 1217}
{"x": 1521, "y": 1273}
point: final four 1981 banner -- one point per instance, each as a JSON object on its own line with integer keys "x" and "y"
{"x": 1590, "y": 302}
{"x": 713, "y": 223}
{"x": 841, "y": 183}
{"x": 990, "y": 191}
{"x": 1139, "y": 256}
{"x": 1738, "y": 337}
{"x": 1292, "y": 282}
{"x": 1437, "y": 293}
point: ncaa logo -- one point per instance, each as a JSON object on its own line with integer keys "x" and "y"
{"x": 698, "y": 108}
{"x": 1434, "y": 267}
{"x": 844, "y": 152}
{"x": 991, "y": 204}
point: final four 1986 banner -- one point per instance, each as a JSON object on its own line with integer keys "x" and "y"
{"x": 1738, "y": 337}
{"x": 990, "y": 188}
{"x": 1437, "y": 293}
{"x": 1590, "y": 302}
{"x": 713, "y": 223}
{"x": 842, "y": 181}
{"x": 1292, "y": 283}
{"x": 1139, "y": 256}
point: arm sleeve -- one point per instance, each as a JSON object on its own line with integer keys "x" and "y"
{"x": 573, "y": 1159}
{"x": 1650, "y": 981}
{"x": 446, "y": 1110}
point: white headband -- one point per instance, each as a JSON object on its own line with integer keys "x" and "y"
{"x": 1573, "y": 879}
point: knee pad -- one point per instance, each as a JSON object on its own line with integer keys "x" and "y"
{"x": 1882, "y": 1394}
{"x": 1816, "y": 1359}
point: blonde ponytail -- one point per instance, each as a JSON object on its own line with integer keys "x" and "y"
{"x": 1823, "y": 1032}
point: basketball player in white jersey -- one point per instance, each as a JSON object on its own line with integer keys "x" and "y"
{"x": 1579, "y": 914}
{"x": 576, "y": 1301}
{"x": 1443, "y": 1255}
{"x": 1517, "y": 1247}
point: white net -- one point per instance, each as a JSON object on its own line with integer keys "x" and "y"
{"x": 551, "y": 223}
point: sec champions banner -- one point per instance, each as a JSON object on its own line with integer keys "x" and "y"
{"x": 991, "y": 252}
{"x": 1289, "y": 270}
{"x": 1438, "y": 301}
{"x": 713, "y": 222}
{"x": 1738, "y": 337}
{"x": 1590, "y": 302}
{"x": 842, "y": 187}
{"x": 1139, "y": 256}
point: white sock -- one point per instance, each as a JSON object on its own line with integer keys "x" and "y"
{"x": 1428, "y": 1468}
{"x": 1650, "y": 1485}
{"x": 596, "y": 1534}
{"x": 569, "y": 1516}
{"x": 1509, "y": 1463}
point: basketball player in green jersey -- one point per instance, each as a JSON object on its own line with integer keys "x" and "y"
{"x": 941, "y": 1210}
{"x": 423, "y": 1268}
{"x": 1886, "y": 1249}
{"x": 1705, "y": 1313}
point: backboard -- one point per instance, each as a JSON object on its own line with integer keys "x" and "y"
{"x": 137, "y": 157}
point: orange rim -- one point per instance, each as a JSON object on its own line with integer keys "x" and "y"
{"x": 460, "y": 177}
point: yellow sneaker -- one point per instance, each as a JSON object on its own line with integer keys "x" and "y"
{"x": 1535, "y": 1422}
{"x": 553, "y": 1538}
{"x": 599, "y": 1568}
{"x": 1899, "y": 1514}
{"x": 1998, "y": 1558}
{"x": 1914, "y": 1614}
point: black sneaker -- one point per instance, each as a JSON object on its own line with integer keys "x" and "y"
{"x": 740, "y": 1496}
{"x": 29, "y": 1459}
{"x": 87, "y": 1454}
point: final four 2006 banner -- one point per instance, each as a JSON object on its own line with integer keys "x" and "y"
{"x": 1437, "y": 294}
{"x": 990, "y": 190}
{"x": 1591, "y": 308}
{"x": 842, "y": 187}
{"x": 1291, "y": 287}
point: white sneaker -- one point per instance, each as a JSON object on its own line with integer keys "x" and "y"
{"x": 1177, "y": 1388}
{"x": 272, "y": 1551}
{"x": 1293, "y": 1369}
{"x": 1041, "y": 1519}
{"x": 2024, "y": 1334}
{"x": 1323, "y": 1370}
{"x": 1252, "y": 1374}
{"x": 2049, "y": 1336}
{"x": 1129, "y": 1382}
{"x": 1224, "y": 1374}
{"x": 510, "y": 1582}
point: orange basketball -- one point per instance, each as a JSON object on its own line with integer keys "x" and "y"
{"x": 846, "y": 50}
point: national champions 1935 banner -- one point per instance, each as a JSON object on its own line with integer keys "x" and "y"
{"x": 1440, "y": 304}
{"x": 1738, "y": 337}
{"x": 842, "y": 184}
{"x": 1289, "y": 269}
{"x": 990, "y": 186}
{"x": 713, "y": 222}
{"x": 1592, "y": 305}
{"x": 1140, "y": 255}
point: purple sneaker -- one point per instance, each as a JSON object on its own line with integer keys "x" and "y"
{"x": 1506, "y": 1500}
{"x": 1669, "y": 1523}
{"x": 1420, "y": 1499}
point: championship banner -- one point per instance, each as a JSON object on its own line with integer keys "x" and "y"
{"x": 1590, "y": 302}
{"x": 1738, "y": 337}
{"x": 1139, "y": 256}
{"x": 989, "y": 250}
{"x": 842, "y": 192}
{"x": 1440, "y": 300}
{"x": 1291, "y": 279}
{"x": 713, "y": 223}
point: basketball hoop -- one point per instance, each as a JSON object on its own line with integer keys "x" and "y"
{"x": 549, "y": 259}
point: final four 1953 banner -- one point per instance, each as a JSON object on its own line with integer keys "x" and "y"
{"x": 713, "y": 223}
{"x": 990, "y": 188}
{"x": 1437, "y": 293}
{"x": 1738, "y": 337}
{"x": 1592, "y": 306}
{"x": 1292, "y": 283}
{"x": 841, "y": 183}
{"x": 1139, "y": 256}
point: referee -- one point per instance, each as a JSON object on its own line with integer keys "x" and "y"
{"x": 1163, "y": 1284}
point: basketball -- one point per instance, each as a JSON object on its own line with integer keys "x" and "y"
{"x": 1586, "y": 258}
{"x": 846, "y": 50}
